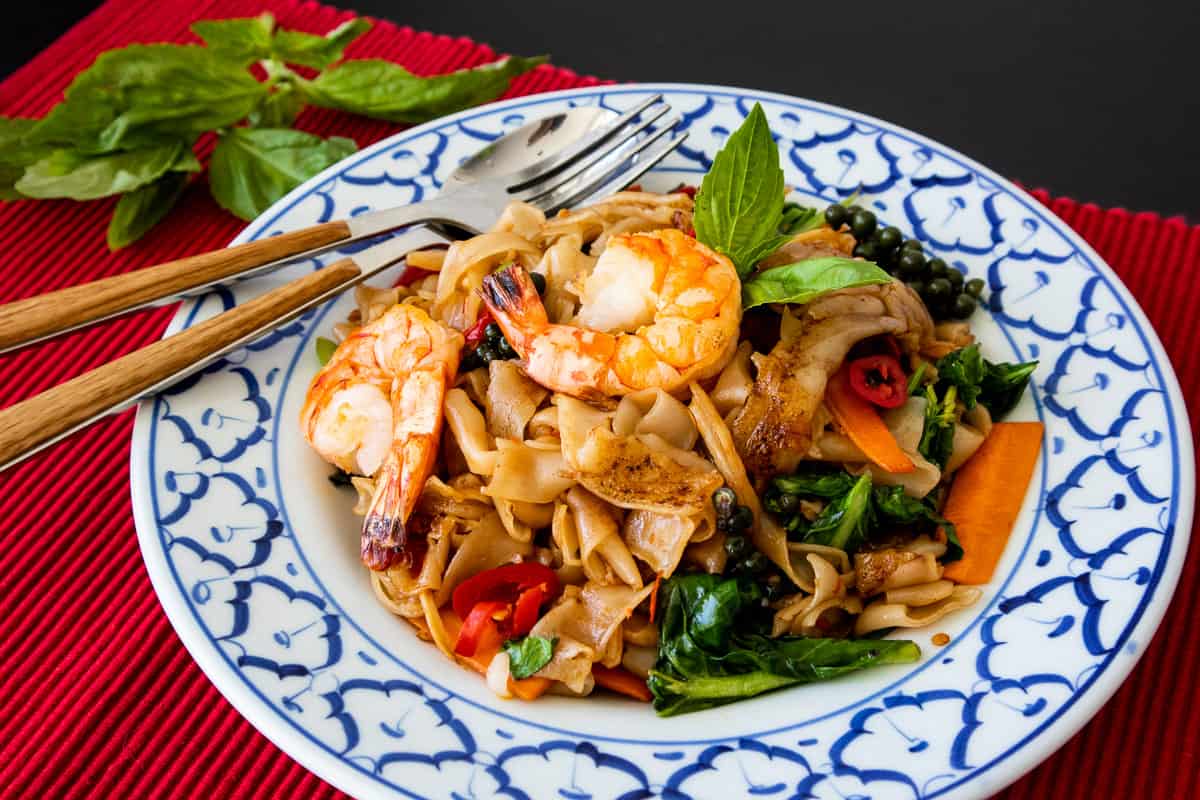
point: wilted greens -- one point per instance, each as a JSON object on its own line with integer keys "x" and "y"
{"x": 855, "y": 512}
{"x": 129, "y": 123}
{"x": 713, "y": 649}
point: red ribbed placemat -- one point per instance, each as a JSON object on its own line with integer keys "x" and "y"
{"x": 97, "y": 696}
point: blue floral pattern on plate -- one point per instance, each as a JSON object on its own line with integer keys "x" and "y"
{"x": 1085, "y": 581}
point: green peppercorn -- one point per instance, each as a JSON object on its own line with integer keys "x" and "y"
{"x": 956, "y": 278}
{"x": 867, "y": 250}
{"x": 741, "y": 519}
{"x": 539, "y": 282}
{"x": 486, "y": 352}
{"x": 492, "y": 332}
{"x": 939, "y": 290}
{"x": 890, "y": 237}
{"x": 470, "y": 361}
{"x": 974, "y": 287}
{"x": 938, "y": 267}
{"x": 916, "y": 286}
{"x": 752, "y": 564}
{"x": 854, "y": 209}
{"x": 724, "y": 501}
{"x": 912, "y": 244}
{"x": 504, "y": 349}
{"x": 911, "y": 263}
{"x": 862, "y": 225}
{"x": 835, "y": 216}
{"x": 964, "y": 306}
{"x": 736, "y": 547}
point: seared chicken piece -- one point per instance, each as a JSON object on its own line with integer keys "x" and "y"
{"x": 773, "y": 430}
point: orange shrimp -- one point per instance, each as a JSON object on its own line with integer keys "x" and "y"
{"x": 376, "y": 409}
{"x": 659, "y": 310}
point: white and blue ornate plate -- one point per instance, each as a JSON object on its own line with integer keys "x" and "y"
{"x": 255, "y": 555}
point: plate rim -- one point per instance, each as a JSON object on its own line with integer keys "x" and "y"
{"x": 1006, "y": 767}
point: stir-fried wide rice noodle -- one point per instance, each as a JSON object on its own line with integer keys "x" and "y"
{"x": 511, "y": 400}
{"x": 882, "y": 615}
{"x": 804, "y": 615}
{"x": 486, "y": 545}
{"x": 524, "y": 471}
{"x": 641, "y": 471}
{"x": 614, "y": 492}
{"x": 586, "y": 619}
{"x": 654, "y": 411}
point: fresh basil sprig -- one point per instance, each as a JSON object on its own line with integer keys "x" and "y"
{"x": 804, "y": 281}
{"x": 528, "y": 654}
{"x": 739, "y": 206}
{"x": 129, "y": 123}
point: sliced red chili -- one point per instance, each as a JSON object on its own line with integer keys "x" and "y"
{"x": 504, "y": 583}
{"x": 879, "y": 380}
{"x": 474, "y": 334}
{"x": 476, "y": 625}
{"x": 528, "y": 608}
{"x": 411, "y": 275}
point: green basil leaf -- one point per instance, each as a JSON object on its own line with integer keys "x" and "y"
{"x": 804, "y": 281}
{"x": 816, "y": 481}
{"x": 143, "y": 208}
{"x": 141, "y": 95}
{"x": 243, "y": 40}
{"x": 528, "y": 654}
{"x": 740, "y": 201}
{"x": 845, "y": 522}
{"x": 78, "y": 176}
{"x": 1003, "y": 384}
{"x": 893, "y": 505}
{"x": 798, "y": 219}
{"x": 937, "y": 437}
{"x": 318, "y": 52}
{"x": 279, "y": 109}
{"x": 251, "y": 168}
{"x": 325, "y": 349}
{"x": 384, "y": 90}
{"x": 17, "y": 153}
{"x": 965, "y": 369}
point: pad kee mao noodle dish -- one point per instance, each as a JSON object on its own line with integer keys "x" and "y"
{"x": 687, "y": 447}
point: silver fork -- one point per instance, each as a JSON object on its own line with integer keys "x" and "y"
{"x": 511, "y": 168}
{"x": 44, "y": 419}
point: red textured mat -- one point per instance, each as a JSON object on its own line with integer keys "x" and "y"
{"x": 97, "y": 696}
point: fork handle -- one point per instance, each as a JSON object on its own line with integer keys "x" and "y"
{"x": 34, "y": 318}
{"x": 45, "y": 418}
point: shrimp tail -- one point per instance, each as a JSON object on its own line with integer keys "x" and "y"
{"x": 383, "y": 533}
{"x": 514, "y": 302}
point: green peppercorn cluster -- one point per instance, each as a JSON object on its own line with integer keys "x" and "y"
{"x": 942, "y": 287}
{"x": 743, "y": 558}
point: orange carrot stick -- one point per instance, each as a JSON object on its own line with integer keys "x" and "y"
{"x": 864, "y": 426}
{"x": 654, "y": 596}
{"x": 622, "y": 681}
{"x": 529, "y": 688}
{"x": 986, "y": 497}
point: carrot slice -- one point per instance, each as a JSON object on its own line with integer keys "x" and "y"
{"x": 529, "y": 688}
{"x": 864, "y": 426}
{"x": 986, "y": 497}
{"x": 654, "y": 596}
{"x": 622, "y": 681}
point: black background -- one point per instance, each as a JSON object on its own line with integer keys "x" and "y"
{"x": 1099, "y": 101}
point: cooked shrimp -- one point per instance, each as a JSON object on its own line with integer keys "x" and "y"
{"x": 659, "y": 310}
{"x": 376, "y": 409}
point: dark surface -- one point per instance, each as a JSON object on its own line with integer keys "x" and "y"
{"x": 1099, "y": 101}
